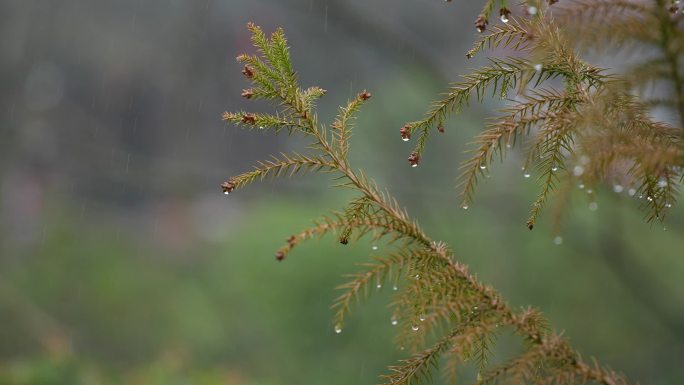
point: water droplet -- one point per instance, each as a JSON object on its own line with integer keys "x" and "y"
{"x": 401, "y": 348}
{"x": 662, "y": 183}
{"x": 532, "y": 10}
{"x": 379, "y": 285}
{"x": 417, "y": 276}
{"x": 578, "y": 170}
{"x": 650, "y": 199}
{"x": 475, "y": 307}
{"x": 414, "y": 165}
{"x": 593, "y": 206}
{"x": 558, "y": 240}
{"x": 668, "y": 205}
{"x": 374, "y": 247}
{"x": 538, "y": 67}
{"x": 395, "y": 288}
{"x": 421, "y": 317}
{"x": 479, "y": 29}
{"x": 631, "y": 192}
{"x": 465, "y": 207}
{"x": 394, "y": 320}
{"x": 226, "y": 193}
{"x": 590, "y": 191}
{"x": 508, "y": 145}
{"x": 338, "y": 328}
{"x": 415, "y": 327}
{"x": 483, "y": 167}
{"x": 618, "y": 188}
{"x": 526, "y": 174}
{"x": 554, "y": 168}
{"x": 581, "y": 186}
{"x": 405, "y": 138}
{"x": 504, "y": 18}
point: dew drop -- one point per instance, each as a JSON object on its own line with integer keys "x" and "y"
{"x": 618, "y": 188}
{"x": 401, "y": 348}
{"x": 414, "y": 165}
{"x": 465, "y": 207}
{"x": 526, "y": 175}
{"x": 405, "y": 138}
{"x": 578, "y": 170}
{"x": 395, "y": 288}
{"x": 581, "y": 186}
{"x": 593, "y": 206}
{"x": 650, "y": 199}
{"x": 532, "y": 10}
{"x": 415, "y": 327}
{"x": 668, "y": 205}
{"x": 417, "y": 276}
{"x": 558, "y": 240}
{"x": 379, "y": 285}
{"x": 662, "y": 183}
{"x": 631, "y": 192}
{"x": 554, "y": 168}
{"x": 421, "y": 317}
{"x": 504, "y": 19}
{"x": 226, "y": 193}
{"x": 483, "y": 167}
{"x": 508, "y": 145}
{"x": 538, "y": 67}
{"x": 338, "y": 328}
{"x": 590, "y": 191}
{"x": 394, "y": 320}
{"x": 374, "y": 247}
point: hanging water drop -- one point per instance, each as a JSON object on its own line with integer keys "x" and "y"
{"x": 581, "y": 186}
{"x": 668, "y": 205}
{"x": 465, "y": 207}
{"x": 504, "y": 18}
{"x": 338, "y": 328}
{"x": 395, "y": 288}
{"x": 483, "y": 167}
{"x": 631, "y": 192}
{"x": 415, "y": 327}
{"x": 421, "y": 317}
{"x": 558, "y": 240}
{"x": 532, "y": 10}
{"x": 538, "y": 67}
{"x": 379, "y": 285}
{"x": 618, "y": 188}
{"x": 394, "y": 320}
{"x": 662, "y": 183}
{"x": 590, "y": 191}
{"x": 374, "y": 247}
{"x": 526, "y": 174}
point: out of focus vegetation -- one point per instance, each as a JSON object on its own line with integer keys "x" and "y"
{"x": 121, "y": 262}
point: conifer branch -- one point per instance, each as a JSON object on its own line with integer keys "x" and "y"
{"x": 439, "y": 292}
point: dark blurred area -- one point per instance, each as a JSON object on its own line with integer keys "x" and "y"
{"x": 122, "y": 262}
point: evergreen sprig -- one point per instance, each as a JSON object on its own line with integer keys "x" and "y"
{"x": 433, "y": 294}
{"x": 579, "y": 123}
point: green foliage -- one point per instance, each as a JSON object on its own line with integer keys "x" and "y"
{"x": 436, "y": 296}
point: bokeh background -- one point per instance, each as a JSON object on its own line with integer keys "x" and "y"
{"x": 122, "y": 263}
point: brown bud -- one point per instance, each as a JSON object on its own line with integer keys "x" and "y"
{"x": 279, "y": 255}
{"x": 292, "y": 241}
{"x": 530, "y": 225}
{"x": 227, "y": 187}
{"x": 365, "y": 95}
{"x": 248, "y": 71}
{"x": 247, "y": 93}
{"x": 248, "y": 119}
{"x": 405, "y": 133}
{"x": 674, "y": 8}
{"x": 481, "y": 23}
{"x": 413, "y": 159}
{"x": 344, "y": 240}
{"x": 440, "y": 128}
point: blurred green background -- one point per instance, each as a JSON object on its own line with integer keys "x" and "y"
{"x": 122, "y": 263}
